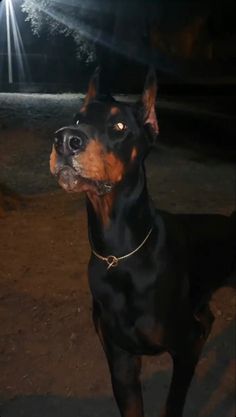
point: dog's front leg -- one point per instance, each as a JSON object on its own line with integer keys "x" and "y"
{"x": 185, "y": 360}
{"x": 125, "y": 371}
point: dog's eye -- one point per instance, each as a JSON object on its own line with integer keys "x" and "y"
{"x": 117, "y": 130}
{"x": 119, "y": 127}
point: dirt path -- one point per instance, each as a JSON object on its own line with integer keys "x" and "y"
{"x": 51, "y": 363}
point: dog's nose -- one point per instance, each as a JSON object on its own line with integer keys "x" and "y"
{"x": 69, "y": 141}
{"x": 75, "y": 143}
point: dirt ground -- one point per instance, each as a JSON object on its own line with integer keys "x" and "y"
{"x": 51, "y": 362}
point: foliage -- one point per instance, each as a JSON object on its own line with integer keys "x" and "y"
{"x": 68, "y": 18}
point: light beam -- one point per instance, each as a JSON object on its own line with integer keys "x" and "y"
{"x": 15, "y": 45}
{"x": 9, "y": 48}
{"x": 18, "y": 43}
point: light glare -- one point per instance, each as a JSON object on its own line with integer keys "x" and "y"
{"x": 14, "y": 43}
{"x": 9, "y": 48}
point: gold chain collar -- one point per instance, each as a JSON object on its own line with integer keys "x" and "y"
{"x": 112, "y": 261}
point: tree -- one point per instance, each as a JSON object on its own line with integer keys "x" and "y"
{"x": 114, "y": 32}
{"x": 71, "y": 19}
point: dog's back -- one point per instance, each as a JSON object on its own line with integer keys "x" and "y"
{"x": 211, "y": 249}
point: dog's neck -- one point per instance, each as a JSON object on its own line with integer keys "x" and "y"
{"x": 119, "y": 221}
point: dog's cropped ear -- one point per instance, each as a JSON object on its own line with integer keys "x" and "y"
{"x": 149, "y": 101}
{"x": 93, "y": 88}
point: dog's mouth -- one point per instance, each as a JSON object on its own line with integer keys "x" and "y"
{"x": 71, "y": 181}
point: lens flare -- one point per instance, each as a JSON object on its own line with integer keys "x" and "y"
{"x": 15, "y": 47}
{"x": 9, "y": 46}
{"x": 90, "y": 19}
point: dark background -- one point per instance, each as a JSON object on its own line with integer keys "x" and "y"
{"x": 191, "y": 43}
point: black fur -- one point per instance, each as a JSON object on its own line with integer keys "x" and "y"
{"x": 157, "y": 299}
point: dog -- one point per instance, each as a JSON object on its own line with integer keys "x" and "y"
{"x": 151, "y": 273}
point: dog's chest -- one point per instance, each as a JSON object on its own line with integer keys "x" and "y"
{"x": 127, "y": 307}
{"x": 119, "y": 289}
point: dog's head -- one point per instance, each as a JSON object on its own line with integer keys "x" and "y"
{"x": 107, "y": 140}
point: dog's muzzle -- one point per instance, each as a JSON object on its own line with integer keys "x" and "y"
{"x": 71, "y": 181}
{"x": 69, "y": 143}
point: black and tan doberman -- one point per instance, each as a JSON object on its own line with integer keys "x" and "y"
{"x": 151, "y": 273}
